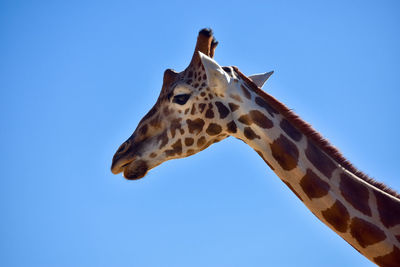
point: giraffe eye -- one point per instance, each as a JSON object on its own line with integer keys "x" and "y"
{"x": 181, "y": 99}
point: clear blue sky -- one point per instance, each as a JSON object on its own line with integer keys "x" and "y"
{"x": 77, "y": 76}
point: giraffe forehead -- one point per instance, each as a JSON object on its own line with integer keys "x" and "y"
{"x": 196, "y": 77}
{"x": 189, "y": 81}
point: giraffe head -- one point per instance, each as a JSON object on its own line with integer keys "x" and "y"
{"x": 192, "y": 112}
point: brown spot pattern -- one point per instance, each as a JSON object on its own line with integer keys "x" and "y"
{"x": 290, "y": 130}
{"x": 175, "y": 125}
{"x": 189, "y": 141}
{"x": 163, "y": 138}
{"x": 313, "y": 186}
{"x": 233, "y": 106}
{"x": 285, "y": 153}
{"x": 245, "y": 119}
{"x": 201, "y": 141}
{"x": 193, "y": 111}
{"x": 320, "y": 160}
{"x": 195, "y": 126}
{"x": 391, "y": 259}
{"x": 388, "y": 208}
{"x": 176, "y": 149}
{"x": 262, "y": 103}
{"x": 337, "y": 216}
{"x": 210, "y": 112}
{"x": 355, "y": 193}
{"x": 260, "y": 119}
{"x": 213, "y": 129}
{"x": 202, "y": 106}
{"x": 365, "y": 232}
{"x": 250, "y": 134}
{"x": 222, "y": 110}
{"x": 231, "y": 127}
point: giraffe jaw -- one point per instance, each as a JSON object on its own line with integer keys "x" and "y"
{"x": 135, "y": 170}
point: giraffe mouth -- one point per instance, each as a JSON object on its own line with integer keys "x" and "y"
{"x": 128, "y": 162}
{"x": 131, "y": 170}
{"x": 119, "y": 164}
{"x": 135, "y": 169}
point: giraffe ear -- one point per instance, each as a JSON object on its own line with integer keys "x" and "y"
{"x": 216, "y": 77}
{"x": 260, "y": 79}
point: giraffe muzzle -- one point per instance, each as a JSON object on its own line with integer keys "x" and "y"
{"x": 122, "y": 158}
{"x": 132, "y": 169}
{"x": 127, "y": 160}
{"x": 119, "y": 164}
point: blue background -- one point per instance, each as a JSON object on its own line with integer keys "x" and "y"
{"x": 77, "y": 76}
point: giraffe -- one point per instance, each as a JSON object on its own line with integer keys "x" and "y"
{"x": 206, "y": 103}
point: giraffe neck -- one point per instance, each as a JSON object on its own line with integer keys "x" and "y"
{"x": 361, "y": 211}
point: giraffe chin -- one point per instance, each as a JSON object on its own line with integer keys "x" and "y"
{"x": 136, "y": 170}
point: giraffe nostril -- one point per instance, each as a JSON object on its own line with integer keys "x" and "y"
{"x": 122, "y": 148}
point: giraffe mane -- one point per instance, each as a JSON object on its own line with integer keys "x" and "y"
{"x": 314, "y": 136}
